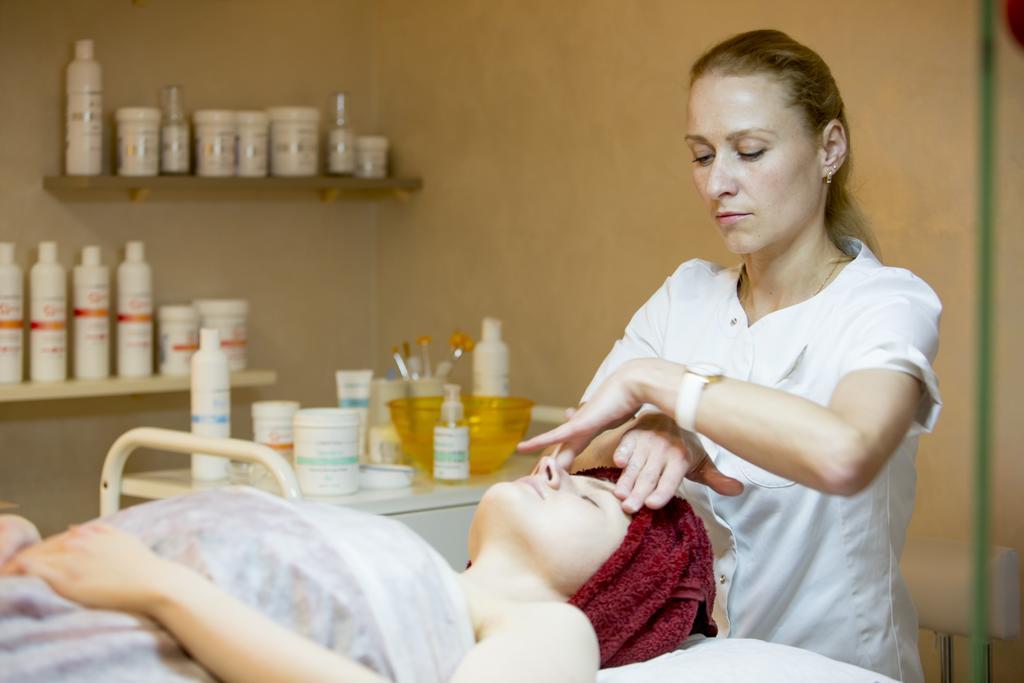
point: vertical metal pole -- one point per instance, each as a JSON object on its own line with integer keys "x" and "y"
{"x": 945, "y": 657}
{"x": 986, "y": 277}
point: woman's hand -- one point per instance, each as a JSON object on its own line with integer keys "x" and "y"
{"x": 614, "y": 402}
{"x": 98, "y": 566}
{"x": 655, "y": 456}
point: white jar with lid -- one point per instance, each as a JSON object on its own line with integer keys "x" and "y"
{"x": 252, "y": 143}
{"x": 215, "y": 142}
{"x": 371, "y": 156}
{"x": 179, "y": 338}
{"x": 230, "y": 318}
{"x": 272, "y": 425}
{"x": 138, "y": 141}
{"x": 327, "y": 451}
{"x": 294, "y": 141}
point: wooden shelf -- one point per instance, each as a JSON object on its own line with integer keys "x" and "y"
{"x": 137, "y": 189}
{"x": 120, "y": 386}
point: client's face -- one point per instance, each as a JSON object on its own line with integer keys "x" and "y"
{"x": 565, "y": 526}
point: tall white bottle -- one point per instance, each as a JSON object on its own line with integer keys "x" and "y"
{"x": 91, "y": 292}
{"x": 134, "y": 313}
{"x": 490, "y": 362}
{"x": 12, "y": 319}
{"x": 83, "y": 135}
{"x": 211, "y": 403}
{"x": 48, "y": 361}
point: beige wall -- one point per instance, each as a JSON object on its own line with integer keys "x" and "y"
{"x": 557, "y": 197}
{"x": 558, "y": 194}
{"x": 307, "y": 268}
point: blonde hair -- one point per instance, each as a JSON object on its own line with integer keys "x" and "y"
{"x": 812, "y": 89}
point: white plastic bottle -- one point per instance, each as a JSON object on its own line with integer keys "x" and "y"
{"x": 91, "y": 286}
{"x": 451, "y": 439}
{"x": 48, "y": 361}
{"x": 83, "y": 141}
{"x": 341, "y": 151}
{"x": 174, "y": 133}
{"x": 12, "y": 322}
{"x": 490, "y": 362}
{"x": 211, "y": 403}
{"x": 134, "y": 313}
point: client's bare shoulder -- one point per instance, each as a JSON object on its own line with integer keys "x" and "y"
{"x": 536, "y": 641}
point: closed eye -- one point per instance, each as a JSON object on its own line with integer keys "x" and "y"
{"x": 591, "y": 501}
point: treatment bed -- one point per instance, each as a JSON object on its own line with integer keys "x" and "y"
{"x": 699, "y": 659}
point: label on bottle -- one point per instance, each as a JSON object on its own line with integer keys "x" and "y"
{"x": 49, "y": 324}
{"x": 84, "y": 132}
{"x": 135, "y": 334}
{"x": 490, "y": 384}
{"x": 11, "y": 331}
{"x": 174, "y": 148}
{"x": 341, "y": 153}
{"x": 92, "y": 330}
{"x": 451, "y": 453}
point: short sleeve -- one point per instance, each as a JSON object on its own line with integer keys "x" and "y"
{"x": 898, "y": 329}
{"x": 644, "y": 337}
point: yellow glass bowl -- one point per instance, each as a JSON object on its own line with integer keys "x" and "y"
{"x": 496, "y": 425}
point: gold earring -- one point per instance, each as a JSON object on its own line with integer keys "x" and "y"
{"x": 828, "y": 175}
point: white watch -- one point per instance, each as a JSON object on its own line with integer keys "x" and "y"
{"x": 696, "y": 377}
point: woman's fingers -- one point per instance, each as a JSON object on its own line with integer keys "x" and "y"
{"x": 629, "y": 474}
{"x": 706, "y": 473}
{"x": 671, "y": 477}
{"x": 627, "y": 444}
{"x": 646, "y": 479}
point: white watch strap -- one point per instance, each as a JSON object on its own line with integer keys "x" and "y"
{"x": 690, "y": 390}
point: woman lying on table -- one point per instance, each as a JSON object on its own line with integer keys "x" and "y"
{"x": 255, "y": 588}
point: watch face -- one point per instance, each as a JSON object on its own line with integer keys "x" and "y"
{"x": 705, "y": 369}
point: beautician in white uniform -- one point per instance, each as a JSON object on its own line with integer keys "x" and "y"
{"x": 798, "y": 382}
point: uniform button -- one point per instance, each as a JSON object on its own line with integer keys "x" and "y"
{"x": 721, "y": 579}
{"x": 733, "y": 322}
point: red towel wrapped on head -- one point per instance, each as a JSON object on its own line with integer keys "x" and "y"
{"x": 656, "y": 589}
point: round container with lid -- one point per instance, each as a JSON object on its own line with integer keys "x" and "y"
{"x": 371, "y": 156}
{"x": 294, "y": 141}
{"x": 138, "y": 141}
{"x": 327, "y": 451}
{"x": 179, "y": 338}
{"x": 215, "y": 142}
{"x": 230, "y": 318}
{"x": 272, "y": 425}
{"x": 252, "y": 143}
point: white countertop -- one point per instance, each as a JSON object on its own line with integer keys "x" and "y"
{"x": 424, "y": 494}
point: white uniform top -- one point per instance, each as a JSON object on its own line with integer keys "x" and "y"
{"x": 794, "y": 565}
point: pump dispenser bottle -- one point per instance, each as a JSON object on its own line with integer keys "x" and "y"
{"x": 211, "y": 403}
{"x": 134, "y": 314}
{"x": 451, "y": 439}
{"x": 341, "y": 151}
{"x": 48, "y": 337}
{"x": 83, "y": 142}
{"x": 91, "y": 284}
{"x": 174, "y": 132}
{"x": 490, "y": 362}
{"x": 12, "y": 322}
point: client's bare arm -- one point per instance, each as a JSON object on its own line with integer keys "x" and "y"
{"x": 100, "y": 566}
